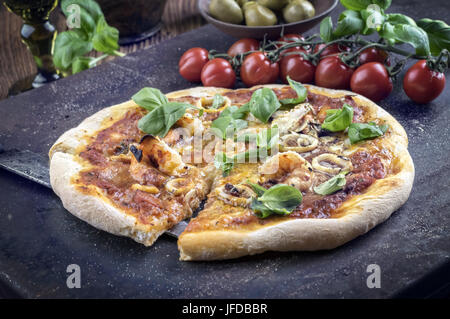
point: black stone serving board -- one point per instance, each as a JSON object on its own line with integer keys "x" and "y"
{"x": 39, "y": 239}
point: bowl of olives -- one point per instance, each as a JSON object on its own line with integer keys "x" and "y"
{"x": 259, "y": 18}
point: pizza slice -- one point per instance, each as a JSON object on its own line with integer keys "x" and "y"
{"x": 347, "y": 186}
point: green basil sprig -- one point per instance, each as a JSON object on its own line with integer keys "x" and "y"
{"x": 363, "y": 131}
{"x": 265, "y": 142}
{"x": 93, "y": 34}
{"x": 280, "y": 199}
{"x": 332, "y": 185}
{"x": 393, "y": 28}
{"x": 438, "y": 34}
{"x": 338, "y": 119}
{"x": 159, "y": 121}
{"x": 223, "y": 162}
{"x": 149, "y": 98}
{"x": 263, "y": 104}
{"x": 229, "y": 122}
{"x": 299, "y": 89}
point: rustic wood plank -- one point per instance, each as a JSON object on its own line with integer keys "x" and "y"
{"x": 17, "y": 68}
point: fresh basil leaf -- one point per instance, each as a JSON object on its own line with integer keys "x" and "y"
{"x": 338, "y": 120}
{"x": 349, "y": 22}
{"x": 224, "y": 163}
{"x": 279, "y": 199}
{"x": 258, "y": 189}
{"x": 373, "y": 20}
{"x": 263, "y": 104}
{"x": 356, "y": 4}
{"x": 149, "y": 98}
{"x": 81, "y": 63}
{"x": 240, "y": 112}
{"x": 159, "y": 121}
{"x": 225, "y": 125}
{"x": 299, "y": 89}
{"x": 68, "y": 46}
{"x": 438, "y": 34}
{"x": 398, "y": 18}
{"x": 218, "y": 101}
{"x": 363, "y": 131}
{"x": 261, "y": 210}
{"x": 383, "y": 4}
{"x": 86, "y": 23}
{"x": 91, "y": 7}
{"x": 106, "y": 38}
{"x": 406, "y": 33}
{"x": 326, "y": 29}
{"x": 332, "y": 185}
{"x": 267, "y": 138}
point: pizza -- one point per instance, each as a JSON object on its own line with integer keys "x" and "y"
{"x": 268, "y": 168}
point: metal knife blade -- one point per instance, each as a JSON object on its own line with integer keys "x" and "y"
{"x": 34, "y": 166}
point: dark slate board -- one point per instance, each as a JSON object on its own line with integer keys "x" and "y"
{"x": 39, "y": 239}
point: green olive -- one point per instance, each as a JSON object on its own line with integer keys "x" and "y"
{"x": 298, "y": 10}
{"x": 226, "y": 10}
{"x": 257, "y": 15}
{"x": 242, "y": 2}
{"x": 273, "y": 4}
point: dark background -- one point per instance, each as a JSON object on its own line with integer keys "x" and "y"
{"x": 39, "y": 239}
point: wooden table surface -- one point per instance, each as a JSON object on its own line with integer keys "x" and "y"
{"x": 17, "y": 67}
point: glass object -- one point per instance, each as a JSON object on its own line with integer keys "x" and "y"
{"x": 38, "y": 34}
{"x": 136, "y": 20}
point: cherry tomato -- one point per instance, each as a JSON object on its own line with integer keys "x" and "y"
{"x": 421, "y": 84}
{"x": 297, "y": 68}
{"x": 219, "y": 73}
{"x": 242, "y": 46}
{"x": 374, "y": 55}
{"x": 332, "y": 73}
{"x": 371, "y": 80}
{"x": 331, "y": 49}
{"x": 258, "y": 69}
{"x": 192, "y": 62}
{"x": 289, "y": 38}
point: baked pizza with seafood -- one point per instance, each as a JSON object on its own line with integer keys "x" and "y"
{"x": 272, "y": 167}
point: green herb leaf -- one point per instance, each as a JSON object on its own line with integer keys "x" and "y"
{"x": 68, "y": 46}
{"x": 149, "y": 98}
{"x": 406, "y": 33}
{"x": 332, "y": 185}
{"x": 159, "y": 121}
{"x": 218, "y": 101}
{"x": 280, "y": 199}
{"x": 89, "y": 6}
{"x": 261, "y": 210}
{"x": 258, "y": 189}
{"x": 81, "y": 63}
{"x": 338, "y": 119}
{"x": 438, "y": 34}
{"x": 326, "y": 29}
{"x": 363, "y": 131}
{"x": 350, "y": 22}
{"x": 299, "y": 89}
{"x": 398, "y": 18}
{"x": 228, "y": 122}
{"x": 356, "y": 4}
{"x": 263, "y": 104}
{"x": 383, "y": 4}
{"x": 224, "y": 163}
{"x": 240, "y": 112}
{"x": 106, "y": 38}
